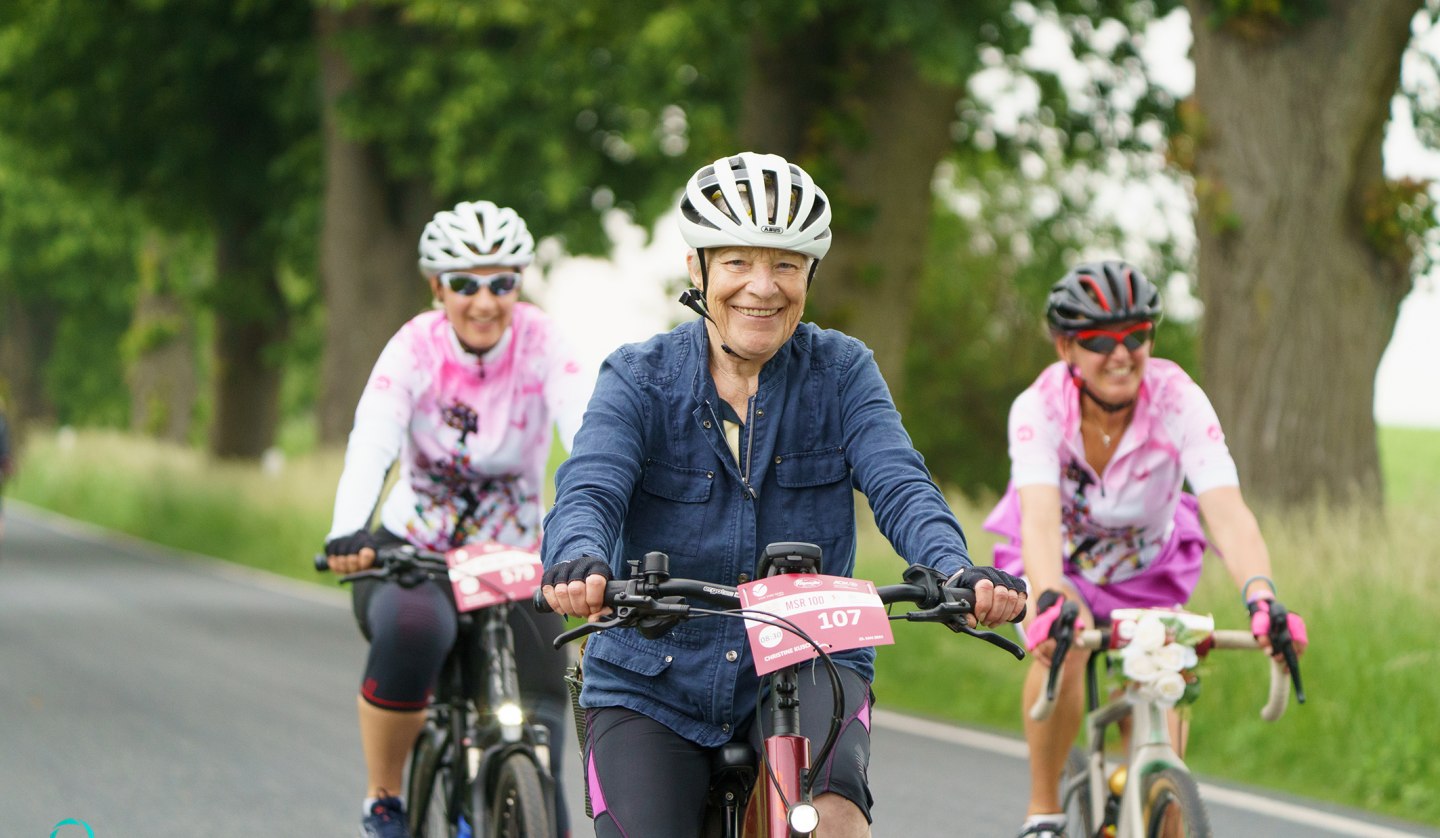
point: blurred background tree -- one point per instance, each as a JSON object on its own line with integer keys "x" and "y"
{"x": 1306, "y": 249}
{"x": 274, "y": 164}
{"x": 190, "y": 111}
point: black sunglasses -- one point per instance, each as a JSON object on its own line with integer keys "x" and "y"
{"x": 469, "y": 284}
{"x": 1104, "y": 341}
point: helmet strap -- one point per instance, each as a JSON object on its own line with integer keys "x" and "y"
{"x": 1108, "y": 407}
{"x": 696, "y": 301}
{"x": 704, "y": 273}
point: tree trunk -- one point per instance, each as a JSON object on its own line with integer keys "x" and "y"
{"x": 162, "y": 374}
{"x": 1299, "y": 301}
{"x": 250, "y": 322}
{"x": 367, "y": 242}
{"x": 27, "y": 339}
{"x": 881, "y": 186}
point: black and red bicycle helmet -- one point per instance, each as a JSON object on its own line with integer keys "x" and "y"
{"x": 1098, "y": 294}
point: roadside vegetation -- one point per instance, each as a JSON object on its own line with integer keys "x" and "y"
{"x": 1359, "y": 740}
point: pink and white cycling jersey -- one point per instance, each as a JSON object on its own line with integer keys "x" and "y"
{"x": 472, "y": 433}
{"x": 1117, "y": 523}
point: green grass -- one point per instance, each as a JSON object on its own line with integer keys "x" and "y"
{"x": 1364, "y": 738}
{"x": 1410, "y": 459}
{"x": 180, "y": 498}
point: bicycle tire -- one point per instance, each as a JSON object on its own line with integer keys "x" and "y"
{"x": 1079, "y": 819}
{"x": 428, "y": 786}
{"x": 1173, "y": 806}
{"x": 518, "y": 808}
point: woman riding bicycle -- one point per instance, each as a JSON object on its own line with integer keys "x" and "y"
{"x": 465, "y": 397}
{"x": 707, "y": 443}
{"x": 1100, "y": 445}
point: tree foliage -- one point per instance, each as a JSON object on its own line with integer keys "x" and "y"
{"x": 953, "y": 211}
{"x": 188, "y": 110}
{"x": 66, "y": 273}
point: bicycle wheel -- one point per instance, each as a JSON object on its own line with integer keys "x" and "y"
{"x": 1075, "y": 796}
{"x": 518, "y": 807}
{"x": 1173, "y": 808}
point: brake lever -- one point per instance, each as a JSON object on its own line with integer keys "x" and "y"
{"x": 588, "y": 628}
{"x": 994, "y": 639}
{"x": 1064, "y": 633}
{"x": 1280, "y": 639}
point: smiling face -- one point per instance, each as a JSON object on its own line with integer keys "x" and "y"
{"x": 480, "y": 319}
{"x": 1114, "y": 376}
{"x": 756, "y": 296}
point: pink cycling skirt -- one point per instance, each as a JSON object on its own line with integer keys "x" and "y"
{"x": 1167, "y": 582}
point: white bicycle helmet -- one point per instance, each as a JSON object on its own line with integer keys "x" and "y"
{"x": 755, "y": 200}
{"x": 475, "y": 234}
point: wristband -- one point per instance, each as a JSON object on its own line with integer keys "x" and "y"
{"x": 1245, "y": 588}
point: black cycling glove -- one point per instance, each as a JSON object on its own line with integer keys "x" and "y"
{"x": 968, "y": 577}
{"x": 576, "y": 570}
{"x": 349, "y": 545}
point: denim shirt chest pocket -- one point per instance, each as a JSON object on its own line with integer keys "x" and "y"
{"x": 670, "y": 508}
{"x": 817, "y": 494}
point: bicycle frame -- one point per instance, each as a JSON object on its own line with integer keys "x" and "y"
{"x": 785, "y": 809}
{"x": 1150, "y": 749}
{"x": 477, "y": 745}
{"x": 488, "y": 737}
{"x": 786, "y": 759}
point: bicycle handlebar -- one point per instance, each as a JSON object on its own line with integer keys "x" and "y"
{"x": 1094, "y": 639}
{"x": 636, "y": 600}
{"x": 391, "y": 559}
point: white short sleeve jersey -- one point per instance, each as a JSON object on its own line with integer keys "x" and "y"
{"x": 1114, "y": 524}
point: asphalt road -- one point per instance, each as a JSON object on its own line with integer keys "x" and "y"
{"x": 151, "y": 694}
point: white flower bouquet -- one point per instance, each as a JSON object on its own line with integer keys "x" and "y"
{"x": 1157, "y": 652}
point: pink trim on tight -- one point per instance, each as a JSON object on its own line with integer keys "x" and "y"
{"x": 597, "y": 797}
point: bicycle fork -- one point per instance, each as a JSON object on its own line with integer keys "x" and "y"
{"x": 1150, "y": 751}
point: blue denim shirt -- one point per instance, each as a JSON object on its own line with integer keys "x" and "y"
{"x": 650, "y": 470}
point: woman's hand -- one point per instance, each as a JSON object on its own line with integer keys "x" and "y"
{"x": 351, "y": 553}
{"x": 1263, "y": 627}
{"x": 576, "y": 588}
{"x": 999, "y": 597}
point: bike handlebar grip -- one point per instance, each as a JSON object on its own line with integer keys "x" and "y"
{"x": 540, "y": 602}
{"x": 1279, "y": 693}
{"x": 322, "y": 562}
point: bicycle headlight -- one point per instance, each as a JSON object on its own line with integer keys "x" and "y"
{"x": 804, "y": 817}
{"x": 509, "y": 714}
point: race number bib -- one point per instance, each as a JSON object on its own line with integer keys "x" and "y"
{"x": 484, "y": 574}
{"x": 838, "y": 613}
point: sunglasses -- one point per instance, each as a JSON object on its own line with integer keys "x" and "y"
{"x": 1103, "y": 341}
{"x": 469, "y": 284}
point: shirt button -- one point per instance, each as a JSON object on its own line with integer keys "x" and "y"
{"x": 709, "y": 475}
{"x": 777, "y": 461}
{"x": 759, "y": 411}
{"x": 725, "y": 728}
{"x": 706, "y": 423}
{"x": 731, "y": 655}
{"x": 744, "y": 577}
{"x": 669, "y": 658}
